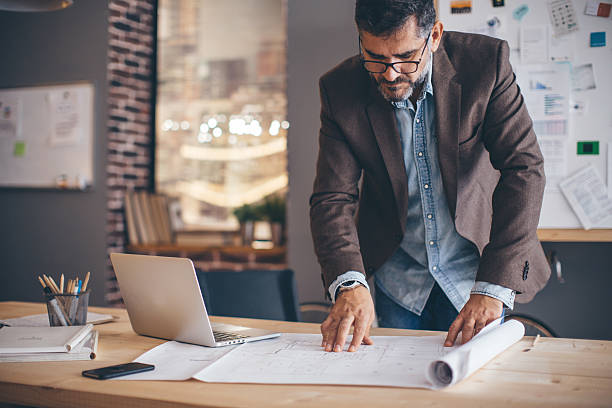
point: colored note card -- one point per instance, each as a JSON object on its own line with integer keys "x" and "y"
{"x": 19, "y": 149}
{"x": 461, "y": 6}
{"x": 520, "y": 12}
{"x": 562, "y": 17}
{"x": 598, "y": 39}
{"x": 598, "y": 8}
{"x": 590, "y": 147}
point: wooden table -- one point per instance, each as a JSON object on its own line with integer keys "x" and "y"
{"x": 557, "y": 372}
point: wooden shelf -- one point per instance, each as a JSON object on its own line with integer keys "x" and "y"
{"x": 575, "y": 235}
{"x": 220, "y": 257}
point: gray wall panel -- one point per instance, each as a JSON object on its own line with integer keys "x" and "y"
{"x": 49, "y": 231}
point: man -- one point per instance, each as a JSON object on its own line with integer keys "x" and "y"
{"x": 429, "y": 177}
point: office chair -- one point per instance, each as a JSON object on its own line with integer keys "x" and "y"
{"x": 259, "y": 294}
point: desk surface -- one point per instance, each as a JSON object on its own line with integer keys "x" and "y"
{"x": 557, "y": 372}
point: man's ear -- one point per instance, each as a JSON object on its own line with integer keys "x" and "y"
{"x": 436, "y": 35}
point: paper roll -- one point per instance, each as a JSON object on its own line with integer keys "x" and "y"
{"x": 464, "y": 360}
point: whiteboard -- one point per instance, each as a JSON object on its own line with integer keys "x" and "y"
{"x": 590, "y": 111}
{"x": 46, "y": 136}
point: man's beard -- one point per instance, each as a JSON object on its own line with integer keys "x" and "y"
{"x": 403, "y": 79}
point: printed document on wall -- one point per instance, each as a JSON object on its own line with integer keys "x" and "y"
{"x": 587, "y": 195}
{"x": 546, "y": 89}
{"x": 555, "y": 161}
{"x": 66, "y": 126}
{"x": 10, "y": 116}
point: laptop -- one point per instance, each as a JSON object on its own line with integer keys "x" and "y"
{"x": 163, "y": 299}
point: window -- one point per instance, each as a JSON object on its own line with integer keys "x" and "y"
{"x": 221, "y": 131}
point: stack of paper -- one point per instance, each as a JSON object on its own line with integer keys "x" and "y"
{"x": 19, "y": 344}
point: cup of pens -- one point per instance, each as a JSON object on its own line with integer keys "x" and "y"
{"x": 66, "y": 306}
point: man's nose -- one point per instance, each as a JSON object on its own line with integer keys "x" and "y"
{"x": 390, "y": 74}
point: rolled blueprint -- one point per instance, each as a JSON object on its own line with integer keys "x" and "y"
{"x": 464, "y": 360}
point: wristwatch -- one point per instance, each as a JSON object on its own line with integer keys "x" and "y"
{"x": 346, "y": 286}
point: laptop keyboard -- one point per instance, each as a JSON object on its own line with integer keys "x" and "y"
{"x": 226, "y": 336}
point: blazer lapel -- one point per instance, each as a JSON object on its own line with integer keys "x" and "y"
{"x": 447, "y": 96}
{"x": 383, "y": 122}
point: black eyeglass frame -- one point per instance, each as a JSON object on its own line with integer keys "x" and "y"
{"x": 393, "y": 64}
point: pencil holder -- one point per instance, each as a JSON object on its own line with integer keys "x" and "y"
{"x": 67, "y": 309}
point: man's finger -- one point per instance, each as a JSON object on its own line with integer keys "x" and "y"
{"x": 342, "y": 332}
{"x": 478, "y": 326}
{"x": 324, "y": 331}
{"x": 366, "y": 338}
{"x": 453, "y": 331}
{"x": 329, "y": 334}
{"x": 358, "y": 334}
{"x": 468, "y": 331}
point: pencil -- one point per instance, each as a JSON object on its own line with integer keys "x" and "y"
{"x": 42, "y": 282}
{"x": 61, "y": 283}
{"x": 535, "y": 341}
{"x": 85, "y": 282}
{"x": 48, "y": 282}
{"x": 57, "y": 290}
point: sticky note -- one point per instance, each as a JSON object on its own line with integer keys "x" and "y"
{"x": 591, "y": 147}
{"x": 520, "y": 12}
{"x": 598, "y": 8}
{"x": 598, "y": 39}
{"x": 19, "y": 149}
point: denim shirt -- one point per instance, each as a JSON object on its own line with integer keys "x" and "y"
{"x": 431, "y": 249}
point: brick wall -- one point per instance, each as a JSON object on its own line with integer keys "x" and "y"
{"x": 131, "y": 101}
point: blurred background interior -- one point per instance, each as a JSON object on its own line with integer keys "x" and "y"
{"x": 204, "y": 142}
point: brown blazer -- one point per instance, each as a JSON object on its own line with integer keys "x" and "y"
{"x": 492, "y": 168}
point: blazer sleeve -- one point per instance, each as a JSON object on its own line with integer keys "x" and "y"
{"x": 335, "y": 199}
{"x": 517, "y": 199}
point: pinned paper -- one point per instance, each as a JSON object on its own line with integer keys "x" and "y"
{"x": 461, "y": 6}
{"x": 598, "y": 8}
{"x": 10, "y": 111}
{"x": 19, "y": 149}
{"x": 587, "y": 195}
{"x": 562, "y": 17}
{"x": 534, "y": 44}
{"x": 555, "y": 161}
{"x": 598, "y": 39}
{"x": 583, "y": 78}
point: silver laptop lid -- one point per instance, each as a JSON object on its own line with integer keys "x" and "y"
{"x": 163, "y": 298}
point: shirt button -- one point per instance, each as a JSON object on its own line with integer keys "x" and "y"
{"x": 431, "y": 242}
{"x": 426, "y": 186}
{"x": 429, "y": 216}
{"x": 420, "y": 154}
{"x": 418, "y": 121}
{"x": 435, "y": 268}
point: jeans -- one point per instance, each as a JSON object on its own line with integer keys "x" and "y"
{"x": 438, "y": 313}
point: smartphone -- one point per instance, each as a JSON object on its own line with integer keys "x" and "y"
{"x": 117, "y": 370}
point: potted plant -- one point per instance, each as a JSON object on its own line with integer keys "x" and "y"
{"x": 274, "y": 210}
{"x": 246, "y": 215}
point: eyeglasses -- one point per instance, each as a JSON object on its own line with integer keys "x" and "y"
{"x": 401, "y": 67}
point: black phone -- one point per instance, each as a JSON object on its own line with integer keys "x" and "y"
{"x": 117, "y": 370}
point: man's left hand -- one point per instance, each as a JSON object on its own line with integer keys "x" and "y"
{"x": 479, "y": 311}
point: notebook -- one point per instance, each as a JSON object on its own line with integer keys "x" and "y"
{"x": 41, "y": 339}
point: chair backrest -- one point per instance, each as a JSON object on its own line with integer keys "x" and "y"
{"x": 259, "y": 294}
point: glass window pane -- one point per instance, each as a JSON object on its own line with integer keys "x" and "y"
{"x": 221, "y": 106}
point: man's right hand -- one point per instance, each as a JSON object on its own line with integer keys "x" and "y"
{"x": 353, "y": 307}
